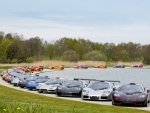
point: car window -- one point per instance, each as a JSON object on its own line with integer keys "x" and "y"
{"x": 74, "y": 83}
{"x": 131, "y": 88}
{"x": 100, "y": 86}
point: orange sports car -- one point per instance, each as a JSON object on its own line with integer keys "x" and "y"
{"x": 101, "y": 66}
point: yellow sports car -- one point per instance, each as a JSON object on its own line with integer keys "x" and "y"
{"x": 101, "y": 66}
{"x": 60, "y": 67}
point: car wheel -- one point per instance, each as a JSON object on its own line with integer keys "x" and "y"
{"x": 113, "y": 103}
{"x": 52, "y": 67}
{"x": 145, "y": 105}
{"x": 62, "y": 68}
{"x": 58, "y": 94}
{"x": 22, "y": 86}
{"x": 40, "y": 91}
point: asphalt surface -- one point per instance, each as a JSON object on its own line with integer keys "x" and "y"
{"x": 109, "y": 103}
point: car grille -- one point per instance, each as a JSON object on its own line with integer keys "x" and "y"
{"x": 104, "y": 97}
{"x": 94, "y": 98}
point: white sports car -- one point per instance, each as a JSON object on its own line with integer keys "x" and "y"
{"x": 50, "y": 85}
{"x": 100, "y": 90}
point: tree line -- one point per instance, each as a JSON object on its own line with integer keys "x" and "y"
{"x": 15, "y": 49}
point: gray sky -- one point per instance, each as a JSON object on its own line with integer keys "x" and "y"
{"x": 112, "y": 21}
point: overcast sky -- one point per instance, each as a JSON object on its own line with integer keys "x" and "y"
{"x": 112, "y": 21}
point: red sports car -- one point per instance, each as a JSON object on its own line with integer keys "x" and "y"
{"x": 81, "y": 66}
{"x": 35, "y": 68}
{"x": 137, "y": 66}
{"x": 131, "y": 94}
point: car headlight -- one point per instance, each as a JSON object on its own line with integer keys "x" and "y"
{"x": 20, "y": 81}
{"x": 117, "y": 95}
{"x": 107, "y": 92}
{"x": 85, "y": 91}
{"x": 141, "y": 96}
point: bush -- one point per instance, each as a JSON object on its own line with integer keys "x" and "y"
{"x": 71, "y": 56}
{"x": 14, "y": 61}
{"x": 29, "y": 59}
{"x": 95, "y": 56}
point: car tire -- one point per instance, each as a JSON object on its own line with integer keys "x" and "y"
{"x": 62, "y": 68}
{"x": 52, "y": 67}
{"x": 145, "y": 105}
{"x": 40, "y": 91}
{"x": 22, "y": 86}
{"x": 113, "y": 103}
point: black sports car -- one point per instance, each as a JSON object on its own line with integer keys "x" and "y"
{"x": 71, "y": 88}
{"x": 132, "y": 93}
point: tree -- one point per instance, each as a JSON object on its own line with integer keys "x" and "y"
{"x": 95, "y": 56}
{"x": 71, "y": 56}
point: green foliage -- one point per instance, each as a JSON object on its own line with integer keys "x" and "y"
{"x": 71, "y": 56}
{"x": 14, "y": 61}
{"x": 29, "y": 59}
{"x": 95, "y": 56}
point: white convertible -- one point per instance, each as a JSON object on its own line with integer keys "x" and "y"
{"x": 100, "y": 90}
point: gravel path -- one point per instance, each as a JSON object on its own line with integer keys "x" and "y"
{"x": 69, "y": 98}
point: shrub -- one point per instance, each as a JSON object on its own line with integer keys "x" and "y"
{"x": 29, "y": 59}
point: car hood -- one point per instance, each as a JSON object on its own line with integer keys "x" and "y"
{"x": 92, "y": 91}
{"x": 130, "y": 96}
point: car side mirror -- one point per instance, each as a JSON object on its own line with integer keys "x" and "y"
{"x": 148, "y": 90}
{"x": 114, "y": 89}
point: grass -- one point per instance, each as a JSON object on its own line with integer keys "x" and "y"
{"x": 15, "y": 101}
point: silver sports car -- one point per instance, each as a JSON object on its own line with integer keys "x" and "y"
{"x": 50, "y": 85}
{"x": 100, "y": 90}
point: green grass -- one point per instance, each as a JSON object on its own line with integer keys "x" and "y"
{"x": 15, "y": 101}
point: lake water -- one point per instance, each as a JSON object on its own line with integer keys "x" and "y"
{"x": 124, "y": 75}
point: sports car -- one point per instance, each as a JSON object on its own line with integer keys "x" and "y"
{"x": 72, "y": 87}
{"x": 81, "y": 66}
{"x": 33, "y": 84}
{"x": 119, "y": 66}
{"x": 101, "y": 66}
{"x": 34, "y": 68}
{"x": 137, "y": 66}
{"x": 50, "y": 85}
{"x": 22, "y": 83}
{"x": 16, "y": 79}
{"x": 99, "y": 90}
{"x": 131, "y": 94}
{"x": 60, "y": 67}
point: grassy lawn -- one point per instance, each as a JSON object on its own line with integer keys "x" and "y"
{"x": 15, "y": 101}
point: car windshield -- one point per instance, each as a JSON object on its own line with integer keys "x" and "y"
{"x": 53, "y": 81}
{"x": 99, "y": 86}
{"x": 130, "y": 88}
{"x": 74, "y": 83}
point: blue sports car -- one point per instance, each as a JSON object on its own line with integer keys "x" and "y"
{"x": 33, "y": 84}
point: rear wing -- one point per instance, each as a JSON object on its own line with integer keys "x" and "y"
{"x": 84, "y": 79}
{"x": 89, "y": 80}
{"x": 108, "y": 81}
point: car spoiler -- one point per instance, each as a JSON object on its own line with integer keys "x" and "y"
{"x": 84, "y": 79}
{"x": 89, "y": 80}
{"x": 108, "y": 81}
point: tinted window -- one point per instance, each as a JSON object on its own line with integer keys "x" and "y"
{"x": 100, "y": 86}
{"x": 74, "y": 83}
{"x": 131, "y": 88}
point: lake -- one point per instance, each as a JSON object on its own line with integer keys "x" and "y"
{"x": 124, "y": 75}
